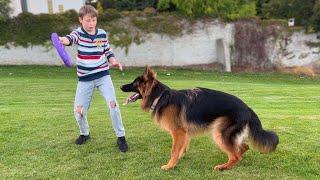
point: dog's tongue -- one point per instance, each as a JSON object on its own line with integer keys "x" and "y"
{"x": 132, "y": 98}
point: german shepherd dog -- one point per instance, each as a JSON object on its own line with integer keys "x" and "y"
{"x": 185, "y": 113}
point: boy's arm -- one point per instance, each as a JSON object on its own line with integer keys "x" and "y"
{"x": 113, "y": 61}
{"x": 70, "y": 39}
{"x": 110, "y": 56}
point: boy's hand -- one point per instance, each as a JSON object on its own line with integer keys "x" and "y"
{"x": 64, "y": 40}
{"x": 115, "y": 63}
{"x": 118, "y": 65}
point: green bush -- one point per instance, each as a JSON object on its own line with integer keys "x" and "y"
{"x": 301, "y": 10}
{"x": 226, "y": 9}
{"x": 28, "y": 29}
{"x": 109, "y": 15}
{"x": 159, "y": 24}
{"x": 4, "y": 9}
{"x": 6, "y": 34}
{"x": 315, "y": 18}
{"x": 166, "y": 5}
{"x": 128, "y": 4}
{"x": 259, "y": 5}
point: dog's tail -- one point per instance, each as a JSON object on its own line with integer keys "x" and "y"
{"x": 264, "y": 141}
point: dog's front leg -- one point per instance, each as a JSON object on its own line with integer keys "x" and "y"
{"x": 179, "y": 138}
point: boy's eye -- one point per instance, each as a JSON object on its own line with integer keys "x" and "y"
{"x": 90, "y": 20}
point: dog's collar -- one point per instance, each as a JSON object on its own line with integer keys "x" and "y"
{"x": 155, "y": 102}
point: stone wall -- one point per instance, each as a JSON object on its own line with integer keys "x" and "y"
{"x": 294, "y": 50}
{"x": 198, "y": 47}
{"x": 209, "y": 43}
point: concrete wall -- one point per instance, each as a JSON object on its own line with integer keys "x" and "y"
{"x": 293, "y": 50}
{"x": 200, "y": 47}
{"x": 209, "y": 43}
{"x": 197, "y": 48}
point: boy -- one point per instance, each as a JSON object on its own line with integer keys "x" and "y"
{"x": 94, "y": 53}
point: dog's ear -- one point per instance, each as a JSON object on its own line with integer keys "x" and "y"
{"x": 149, "y": 73}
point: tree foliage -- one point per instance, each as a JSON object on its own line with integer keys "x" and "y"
{"x": 128, "y": 4}
{"x": 28, "y": 29}
{"x": 227, "y": 9}
{"x": 301, "y": 10}
{"x": 5, "y": 9}
{"x": 315, "y": 18}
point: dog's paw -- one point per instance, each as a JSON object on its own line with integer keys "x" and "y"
{"x": 166, "y": 167}
{"x": 220, "y": 167}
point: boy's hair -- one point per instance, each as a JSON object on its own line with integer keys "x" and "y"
{"x": 88, "y": 10}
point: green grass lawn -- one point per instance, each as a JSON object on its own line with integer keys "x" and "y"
{"x": 38, "y": 130}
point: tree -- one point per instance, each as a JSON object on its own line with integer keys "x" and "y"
{"x": 5, "y": 9}
{"x": 315, "y": 19}
{"x": 301, "y": 10}
{"x": 259, "y": 6}
{"x": 128, "y": 4}
{"x": 227, "y": 9}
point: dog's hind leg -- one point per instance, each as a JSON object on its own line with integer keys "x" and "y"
{"x": 179, "y": 143}
{"x": 243, "y": 148}
{"x": 232, "y": 151}
{"x": 239, "y": 142}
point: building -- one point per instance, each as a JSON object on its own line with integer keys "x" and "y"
{"x": 44, "y": 6}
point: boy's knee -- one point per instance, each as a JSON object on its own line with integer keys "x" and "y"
{"x": 112, "y": 104}
{"x": 79, "y": 110}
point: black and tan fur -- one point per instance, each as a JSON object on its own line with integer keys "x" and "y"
{"x": 185, "y": 113}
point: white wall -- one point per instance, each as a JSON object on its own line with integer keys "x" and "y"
{"x": 200, "y": 47}
{"x": 41, "y": 6}
{"x": 294, "y": 50}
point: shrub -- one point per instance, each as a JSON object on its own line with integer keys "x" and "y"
{"x": 166, "y": 5}
{"x": 150, "y": 11}
{"x": 315, "y": 18}
{"x": 109, "y": 15}
{"x": 29, "y": 29}
{"x": 128, "y": 4}
{"x": 159, "y": 24}
{"x": 4, "y": 9}
{"x": 226, "y": 9}
{"x": 301, "y": 10}
{"x": 6, "y": 34}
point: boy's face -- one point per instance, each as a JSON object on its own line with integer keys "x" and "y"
{"x": 89, "y": 23}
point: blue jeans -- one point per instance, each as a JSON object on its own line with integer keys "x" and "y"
{"x": 83, "y": 99}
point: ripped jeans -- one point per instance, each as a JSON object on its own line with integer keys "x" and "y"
{"x": 83, "y": 98}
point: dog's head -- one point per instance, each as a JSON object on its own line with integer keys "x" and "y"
{"x": 141, "y": 86}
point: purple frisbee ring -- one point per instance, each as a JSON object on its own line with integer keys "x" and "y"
{"x": 61, "y": 50}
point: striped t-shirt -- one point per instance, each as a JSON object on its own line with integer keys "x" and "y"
{"x": 93, "y": 53}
